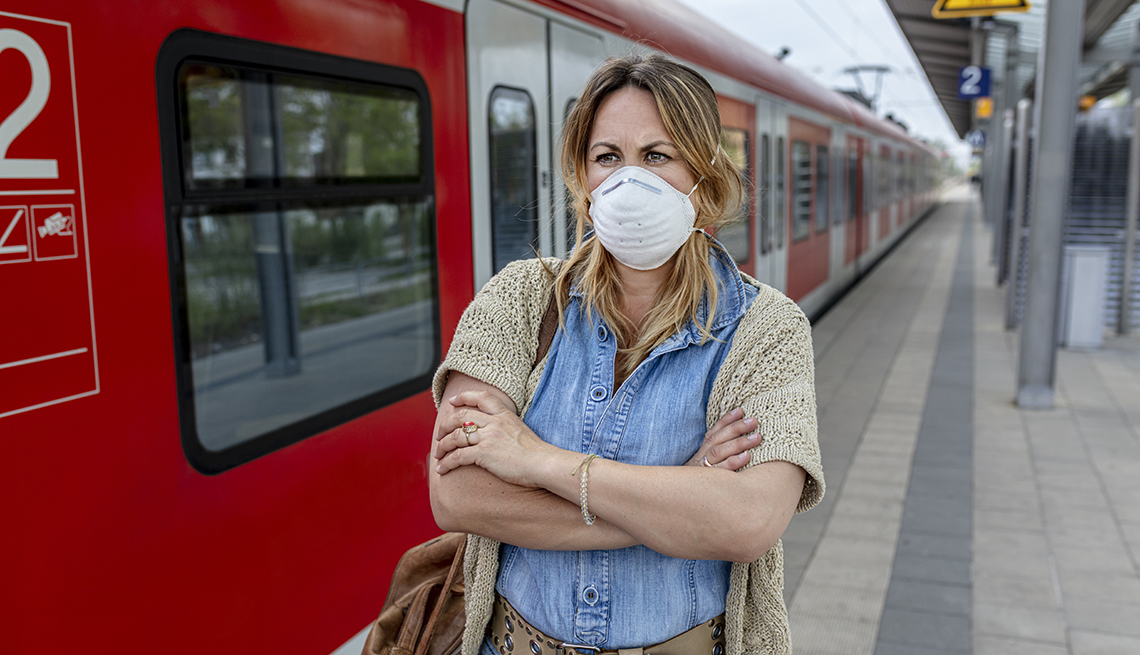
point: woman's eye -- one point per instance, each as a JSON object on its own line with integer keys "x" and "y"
{"x": 656, "y": 158}
{"x": 606, "y": 158}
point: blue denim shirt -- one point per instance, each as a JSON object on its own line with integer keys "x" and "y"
{"x": 634, "y": 596}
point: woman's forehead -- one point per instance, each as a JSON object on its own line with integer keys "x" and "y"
{"x": 629, "y": 114}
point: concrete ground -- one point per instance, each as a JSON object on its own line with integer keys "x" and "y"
{"x": 955, "y": 522}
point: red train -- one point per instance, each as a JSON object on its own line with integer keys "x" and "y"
{"x": 236, "y": 239}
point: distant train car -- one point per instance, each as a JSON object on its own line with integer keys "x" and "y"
{"x": 236, "y": 238}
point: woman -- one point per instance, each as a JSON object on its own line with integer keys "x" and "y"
{"x": 634, "y": 503}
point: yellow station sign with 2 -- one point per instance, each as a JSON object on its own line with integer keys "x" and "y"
{"x": 967, "y": 8}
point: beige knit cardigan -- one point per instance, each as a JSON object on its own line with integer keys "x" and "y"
{"x": 769, "y": 371}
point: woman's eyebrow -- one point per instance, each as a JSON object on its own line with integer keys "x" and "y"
{"x": 657, "y": 144}
{"x": 605, "y": 144}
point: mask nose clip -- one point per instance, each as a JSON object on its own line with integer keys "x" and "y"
{"x": 631, "y": 180}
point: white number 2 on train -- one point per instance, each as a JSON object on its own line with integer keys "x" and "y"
{"x": 971, "y": 81}
{"x": 29, "y": 109}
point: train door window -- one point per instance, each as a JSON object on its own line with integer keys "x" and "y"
{"x": 514, "y": 186}
{"x": 822, "y": 187}
{"x": 737, "y": 235}
{"x": 852, "y": 183}
{"x": 841, "y": 180}
{"x": 765, "y": 218}
{"x": 781, "y": 192}
{"x": 801, "y": 190}
{"x": 302, "y": 237}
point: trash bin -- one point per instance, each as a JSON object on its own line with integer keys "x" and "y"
{"x": 1086, "y": 278}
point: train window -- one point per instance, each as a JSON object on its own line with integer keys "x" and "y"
{"x": 867, "y": 191}
{"x": 781, "y": 192}
{"x": 801, "y": 190}
{"x": 246, "y": 128}
{"x": 822, "y": 187}
{"x": 737, "y": 235}
{"x": 762, "y": 195}
{"x": 852, "y": 184}
{"x": 303, "y": 252}
{"x": 514, "y": 164}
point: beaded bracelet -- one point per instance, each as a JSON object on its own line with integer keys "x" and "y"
{"x": 585, "y": 466}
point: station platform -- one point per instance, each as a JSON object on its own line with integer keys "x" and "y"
{"x": 955, "y": 522}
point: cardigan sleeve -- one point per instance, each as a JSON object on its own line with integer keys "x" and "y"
{"x": 770, "y": 372}
{"x": 497, "y": 336}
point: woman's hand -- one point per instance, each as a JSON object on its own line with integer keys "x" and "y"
{"x": 727, "y": 444}
{"x": 500, "y": 443}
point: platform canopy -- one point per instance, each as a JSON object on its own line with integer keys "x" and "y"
{"x": 943, "y": 46}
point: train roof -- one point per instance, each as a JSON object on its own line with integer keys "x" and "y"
{"x": 686, "y": 34}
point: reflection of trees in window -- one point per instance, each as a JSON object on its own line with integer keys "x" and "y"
{"x": 245, "y": 126}
{"x": 514, "y": 188}
{"x": 313, "y": 302}
{"x": 801, "y": 190}
{"x": 737, "y": 235}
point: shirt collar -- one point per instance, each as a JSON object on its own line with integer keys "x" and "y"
{"x": 731, "y": 299}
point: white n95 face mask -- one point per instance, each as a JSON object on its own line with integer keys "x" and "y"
{"x": 640, "y": 218}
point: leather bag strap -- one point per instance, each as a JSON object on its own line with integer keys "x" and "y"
{"x": 444, "y": 595}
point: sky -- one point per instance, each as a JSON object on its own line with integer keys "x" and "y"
{"x": 827, "y": 36}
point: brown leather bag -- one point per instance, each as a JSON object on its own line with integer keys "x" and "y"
{"x": 423, "y": 614}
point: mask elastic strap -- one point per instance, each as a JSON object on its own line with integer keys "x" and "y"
{"x": 690, "y": 193}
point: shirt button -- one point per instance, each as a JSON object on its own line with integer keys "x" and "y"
{"x": 590, "y": 595}
{"x": 602, "y": 333}
{"x": 599, "y": 393}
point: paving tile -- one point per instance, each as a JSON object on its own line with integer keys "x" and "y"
{"x": 931, "y": 569}
{"x": 1007, "y": 519}
{"x": 825, "y": 599}
{"x": 909, "y": 649}
{"x": 1030, "y": 591}
{"x": 1115, "y": 588}
{"x": 1107, "y": 557}
{"x": 1021, "y": 622}
{"x": 991, "y": 645}
{"x": 929, "y": 596}
{"x": 932, "y": 630}
{"x": 831, "y": 635}
{"x": 1093, "y": 643}
{"x": 1112, "y": 618}
{"x": 959, "y": 548}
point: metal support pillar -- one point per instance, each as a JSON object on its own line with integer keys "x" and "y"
{"x": 1132, "y": 216}
{"x": 1020, "y": 189}
{"x": 999, "y": 198}
{"x": 1057, "y": 68}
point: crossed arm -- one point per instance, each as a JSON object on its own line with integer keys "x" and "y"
{"x": 513, "y": 487}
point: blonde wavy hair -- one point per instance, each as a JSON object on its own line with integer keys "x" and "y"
{"x": 689, "y": 111}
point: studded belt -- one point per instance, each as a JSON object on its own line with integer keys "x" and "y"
{"x": 512, "y": 635}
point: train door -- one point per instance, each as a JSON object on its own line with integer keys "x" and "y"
{"x": 885, "y": 192}
{"x": 762, "y": 192}
{"x": 809, "y": 248}
{"x": 573, "y": 57}
{"x": 508, "y": 86}
{"x": 738, "y": 138}
{"x": 855, "y": 214}
{"x": 777, "y": 190}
